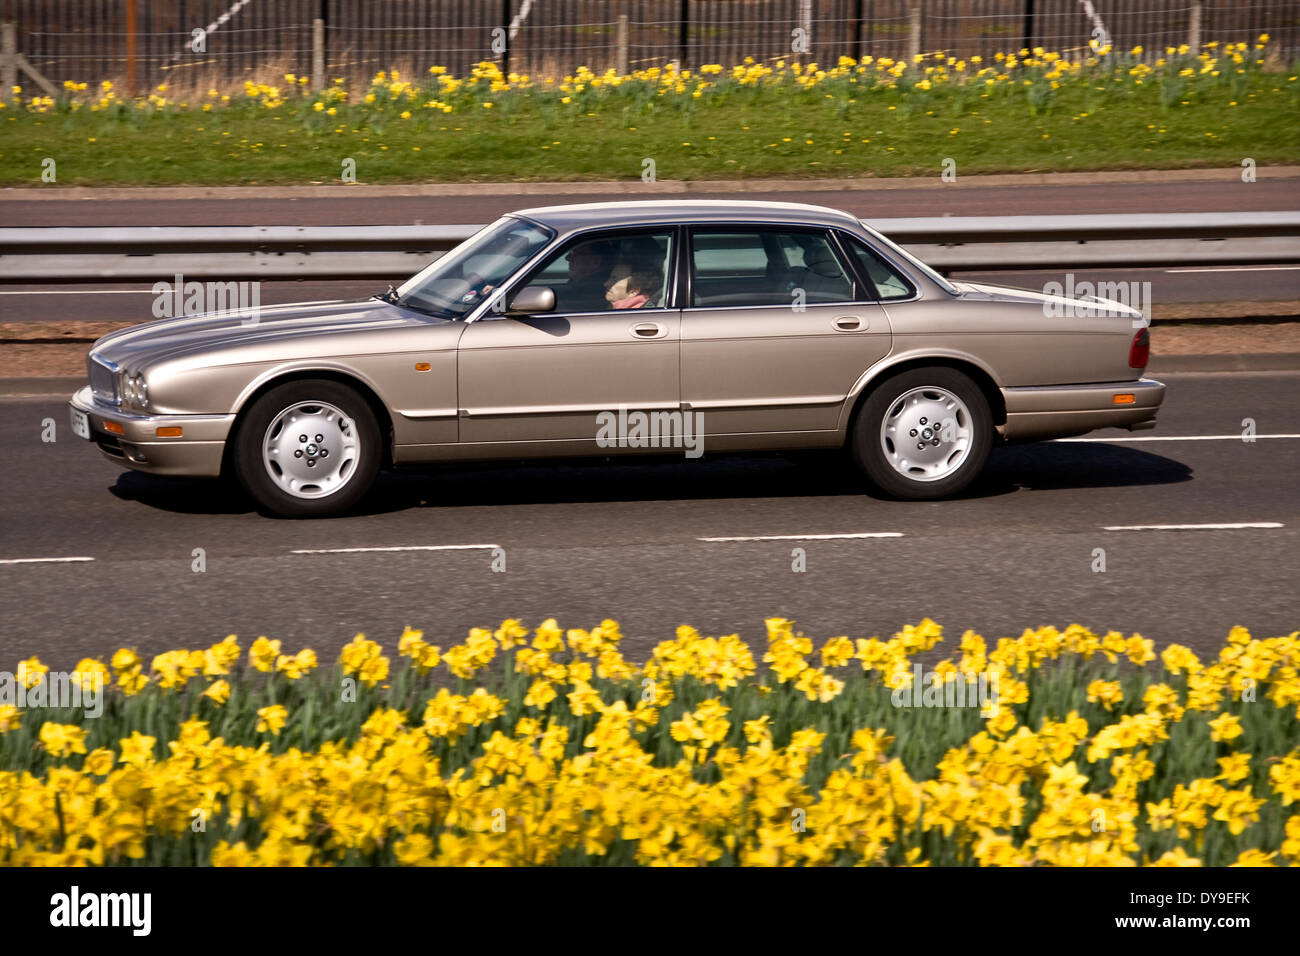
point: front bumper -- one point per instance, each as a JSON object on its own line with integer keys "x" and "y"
{"x": 197, "y": 451}
{"x": 1059, "y": 411}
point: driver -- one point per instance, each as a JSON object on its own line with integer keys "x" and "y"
{"x": 589, "y": 267}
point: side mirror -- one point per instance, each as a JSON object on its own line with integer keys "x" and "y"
{"x": 531, "y": 300}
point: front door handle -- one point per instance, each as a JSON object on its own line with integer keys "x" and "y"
{"x": 850, "y": 323}
{"x": 648, "y": 330}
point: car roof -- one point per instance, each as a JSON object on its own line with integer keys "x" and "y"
{"x": 595, "y": 214}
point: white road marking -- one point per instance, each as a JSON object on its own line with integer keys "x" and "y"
{"x": 1236, "y": 437}
{"x": 809, "y": 537}
{"x": 418, "y": 547}
{"x": 41, "y": 560}
{"x": 1235, "y": 269}
{"x": 81, "y": 292}
{"x": 1194, "y": 527}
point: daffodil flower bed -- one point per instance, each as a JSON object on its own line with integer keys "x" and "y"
{"x": 1094, "y": 752}
{"x": 1031, "y": 109}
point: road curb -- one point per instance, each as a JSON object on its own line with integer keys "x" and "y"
{"x": 62, "y": 387}
{"x": 637, "y": 187}
{"x": 1248, "y": 362}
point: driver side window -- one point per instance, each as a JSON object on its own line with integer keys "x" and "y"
{"x": 609, "y": 272}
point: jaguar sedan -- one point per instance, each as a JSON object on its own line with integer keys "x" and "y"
{"x": 619, "y": 329}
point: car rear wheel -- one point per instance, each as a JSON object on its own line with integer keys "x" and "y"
{"x": 308, "y": 448}
{"x": 924, "y": 433}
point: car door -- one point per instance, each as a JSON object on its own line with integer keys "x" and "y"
{"x": 777, "y": 329}
{"x": 547, "y": 377}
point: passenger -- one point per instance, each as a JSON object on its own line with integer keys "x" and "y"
{"x": 632, "y": 291}
{"x": 638, "y": 254}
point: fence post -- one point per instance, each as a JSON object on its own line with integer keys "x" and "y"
{"x": 620, "y": 43}
{"x": 1194, "y": 28}
{"x": 1028, "y": 43}
{"x": 130, "y": 47}
{"x": 914, "y": 33}
{"x": 317, "y": 55}
{"x": 857, "y": 31}
{"x": 505, "y": 25}
{"x": 8, "y": 60}
{"x": 683, "y": 39}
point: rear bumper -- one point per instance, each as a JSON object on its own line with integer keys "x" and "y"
{"x": 197, "y": 452}
{"x": 1058, "y": 411}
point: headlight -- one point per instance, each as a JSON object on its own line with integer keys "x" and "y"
{"x": 134, "y": 390}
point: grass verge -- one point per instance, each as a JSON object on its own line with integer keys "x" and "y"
{"x": 1035, "y": 112}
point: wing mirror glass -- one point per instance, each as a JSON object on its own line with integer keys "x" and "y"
{"x": 532, "y": 299}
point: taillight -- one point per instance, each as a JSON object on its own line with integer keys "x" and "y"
{"x": 1140, "y": 351}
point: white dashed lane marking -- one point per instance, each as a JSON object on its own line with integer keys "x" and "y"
{"x": 418, "y": 547}
{"x": 42, "y": 560}
{"x": 1236, "y": 437}
{"x": 809, "y": 537}
{"x": 1195, "y": 527}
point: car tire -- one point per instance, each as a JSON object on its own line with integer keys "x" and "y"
{"x": 923, "y": 434}
{"x": 284, "y": 444}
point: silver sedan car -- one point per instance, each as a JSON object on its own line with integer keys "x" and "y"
{"x": 622, "y": 328}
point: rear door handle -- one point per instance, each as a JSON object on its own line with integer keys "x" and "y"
{"x": 648, "y": 330}
{"x": 850, "y": 323}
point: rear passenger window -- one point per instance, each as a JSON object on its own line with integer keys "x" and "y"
{"x": 765, "y": 267}
{"x": 889, "y": 282}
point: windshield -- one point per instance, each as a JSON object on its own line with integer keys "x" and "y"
{"x": 933, "y": 276}
{"x": 460, "y": 280}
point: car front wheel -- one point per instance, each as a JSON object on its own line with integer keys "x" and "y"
{"x": 308, "y": 449}
{"x": 924, "y": 433}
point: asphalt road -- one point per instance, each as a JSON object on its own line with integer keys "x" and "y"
{"x": 1227, "y": 195}
{"x": 585, "y": 541}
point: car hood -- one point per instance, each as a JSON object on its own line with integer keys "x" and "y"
{"x": 170, "y": 338}
{"x": 1060, "y": 304}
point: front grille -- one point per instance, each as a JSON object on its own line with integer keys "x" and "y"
{"x": 103, "y": 380}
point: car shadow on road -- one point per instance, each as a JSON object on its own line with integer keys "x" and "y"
{"x": 768, "y": 475}
{"x": 197, "y": 496}
{"x": 1056, "y": 465}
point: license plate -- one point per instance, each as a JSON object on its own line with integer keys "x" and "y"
{"x": 80, "y": 424}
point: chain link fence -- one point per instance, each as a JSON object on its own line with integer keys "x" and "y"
{"x": 140, "y": 44}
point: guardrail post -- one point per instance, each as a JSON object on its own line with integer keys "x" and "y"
{"x": 914, "y": 32}
{"x": 1194, "y": 28}
{"x": 620, "y": 46}
{"x": 8, "y": 60}
{"x": 317, "y": 55}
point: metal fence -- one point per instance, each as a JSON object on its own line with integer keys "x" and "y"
{"x": 146, "y": 42}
